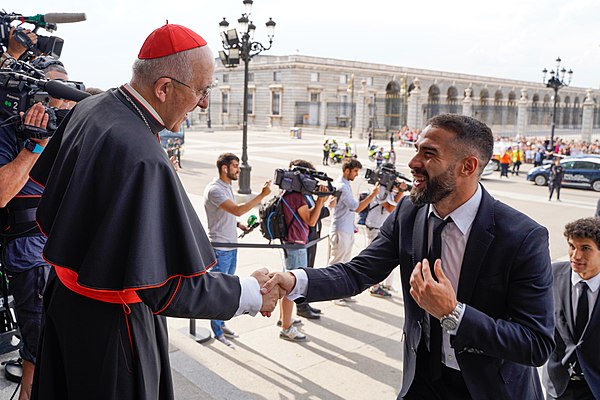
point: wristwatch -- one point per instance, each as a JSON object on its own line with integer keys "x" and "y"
{"x": 450, "y": 322}
{"x": 33, "y": 147}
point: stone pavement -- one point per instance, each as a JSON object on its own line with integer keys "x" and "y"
{"x": 352, "y": 352}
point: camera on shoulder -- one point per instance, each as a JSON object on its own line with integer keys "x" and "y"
{"x": 387, "y": 176}
{"x": 304, "y": 180}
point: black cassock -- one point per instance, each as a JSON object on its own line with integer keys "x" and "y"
{"x": 118, "y": 219}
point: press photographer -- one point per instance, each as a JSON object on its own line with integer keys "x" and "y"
{"x": 27, "y": 120}
{"x": 298, "y": 182}
{"x": 392, "y": 187}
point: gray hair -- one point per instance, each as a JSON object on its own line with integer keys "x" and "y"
{"x": 178, "y": 66}
{"x": 55, "y": 67}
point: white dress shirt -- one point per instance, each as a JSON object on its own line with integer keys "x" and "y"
{"x": 454, "y": 243}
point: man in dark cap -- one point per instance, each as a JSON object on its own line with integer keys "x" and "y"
{"x": 124, "y": 241}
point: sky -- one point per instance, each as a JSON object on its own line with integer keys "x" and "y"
{"x": 512, "y": 39}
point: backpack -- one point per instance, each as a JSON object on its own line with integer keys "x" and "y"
{"x": 362, "y": 216}
{"x": 272, "y": 219}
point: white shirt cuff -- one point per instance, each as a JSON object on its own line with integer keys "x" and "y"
{"x": 301, "y": 284}
{"x": 250, "y": 297}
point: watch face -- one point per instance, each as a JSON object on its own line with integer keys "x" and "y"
{"x": 448, "y": 323}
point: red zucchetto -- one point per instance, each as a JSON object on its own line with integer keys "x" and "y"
{"x": 170, "y": 39}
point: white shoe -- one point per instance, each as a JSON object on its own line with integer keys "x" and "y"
{"x": 229, "y": 333}
{"x": 292, "y": 334}
{"x": 225, "y": 341}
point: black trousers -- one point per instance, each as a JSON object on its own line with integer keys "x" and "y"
{"x": 451, "y": 385}
{"x": 576, "y": 390}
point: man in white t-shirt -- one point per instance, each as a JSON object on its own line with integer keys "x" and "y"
{"x": 222, "y": 210}
{"x": 380, "y": 208}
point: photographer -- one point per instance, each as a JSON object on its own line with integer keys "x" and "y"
{"x": 298, "y": 218}
{"x": 22, "y": 240}
{"x": 380, "y": 208}
{"x": 314, "y": 232}
{"x": 15, "y": 49}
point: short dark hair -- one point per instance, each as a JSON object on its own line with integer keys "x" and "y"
{"x": 226, "y": 159}
{"x": 584, "y": 228}
{"x": 472, "y": 136}
{"x": 301, "y": 163}
{"x": 351, "y": 163}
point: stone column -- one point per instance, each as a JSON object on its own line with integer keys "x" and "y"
{"x": 361, "y": 111}
{"x": 587, "y": 121}
{"x": 467, "y": 103}
{"x": 413, "y": 111}
{"x": 323, "y": 113}
{"x": 522, "y": 113}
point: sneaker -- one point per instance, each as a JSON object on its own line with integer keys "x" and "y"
{"x": 344, "y": 302}
{"x": 225, "y": 341}
{"x": 292, "y": 334}
{"x": 295, "y": 322}
{"x": 229, "y": 333}
{"x": 380, "y": 292}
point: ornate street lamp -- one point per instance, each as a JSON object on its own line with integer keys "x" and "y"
{"x": 238, "y": 45}
{"x": 556, "y": 81}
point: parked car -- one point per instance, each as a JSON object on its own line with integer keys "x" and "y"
{"x": 489, "y": 168}
{"x": 582, "y": 172}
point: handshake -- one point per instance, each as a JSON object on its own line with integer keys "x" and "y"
{"x": 273, "y": 286}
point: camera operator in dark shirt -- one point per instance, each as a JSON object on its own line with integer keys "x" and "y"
{"x": 22, "y": 241}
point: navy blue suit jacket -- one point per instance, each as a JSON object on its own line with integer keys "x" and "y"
{"x": 505, "y": 282}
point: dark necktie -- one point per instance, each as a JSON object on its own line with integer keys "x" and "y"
{"x": 435, "y": 329}
{"x": 583, "y": 310}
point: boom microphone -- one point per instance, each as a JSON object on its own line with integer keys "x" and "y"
{"x": 50, "y": 18}
{"x": 64, "y": 18}
{"x": 61, "y": 91}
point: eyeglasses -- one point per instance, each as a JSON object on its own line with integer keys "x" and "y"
{"x": 202, "y": 94}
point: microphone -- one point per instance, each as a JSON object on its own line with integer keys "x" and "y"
{"x": 251, "y": 223}
{"x": 63, "y": 18}
{"x": 61, "y": 91}
{"x": 50, "y": 18}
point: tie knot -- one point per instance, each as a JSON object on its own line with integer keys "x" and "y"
{"x": 438, "y": 223}
{"x": 583, "y": 286}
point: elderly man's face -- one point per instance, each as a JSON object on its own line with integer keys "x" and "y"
{"x": 186, "y": 96}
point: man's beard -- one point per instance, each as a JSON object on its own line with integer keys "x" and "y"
{"x": 232, "y": 176}
{"x": 436, "y": 188}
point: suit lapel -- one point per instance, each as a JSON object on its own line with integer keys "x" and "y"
{"x": 480, "y": 238}
{"x": 419, "y": 236}
{"x": 564, "y": 287}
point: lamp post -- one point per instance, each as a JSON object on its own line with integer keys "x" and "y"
{"x": 556, "y": 81}
{"x": 238, "y": 44}
{"x": 208, "y": 119}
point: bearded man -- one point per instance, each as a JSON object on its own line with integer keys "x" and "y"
{"x": 476, "y": 275}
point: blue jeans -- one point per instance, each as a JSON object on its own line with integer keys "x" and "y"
{"x": 226, "y": 263}
{"x": 295, "y": 258}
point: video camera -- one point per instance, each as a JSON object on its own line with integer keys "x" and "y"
{"x": 305, "y": 181}
{"x": 50, "y": 45}
{"x": 22, "y": 85}
{"x": 387, "y": 176}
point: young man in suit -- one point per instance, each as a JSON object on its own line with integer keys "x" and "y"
{"x": 479, "y": 323}
{"x": 573, "y": 370}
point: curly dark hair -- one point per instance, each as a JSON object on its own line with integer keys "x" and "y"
{"x": 584, "y": 228}
{"x": 351, "y": 163}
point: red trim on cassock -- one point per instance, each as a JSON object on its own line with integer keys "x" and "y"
{"x": 27, "y": 196}
{"x": 68, "y": 278}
